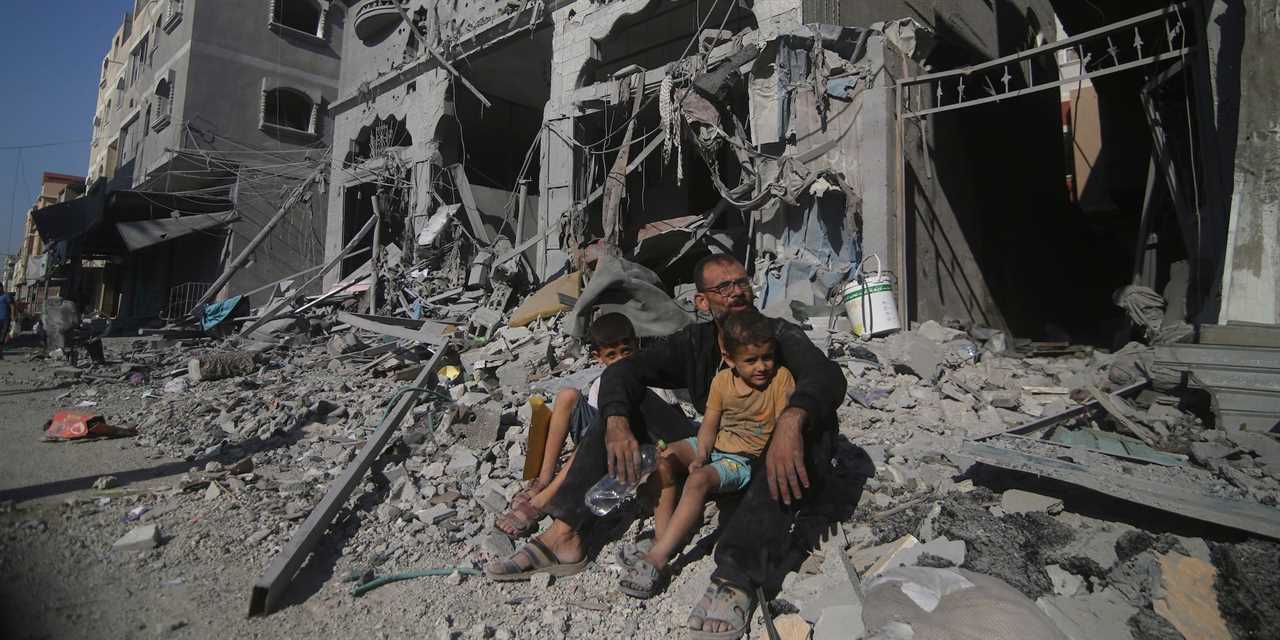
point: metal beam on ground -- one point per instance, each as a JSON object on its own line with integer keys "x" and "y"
{"x": 279, "y": 574}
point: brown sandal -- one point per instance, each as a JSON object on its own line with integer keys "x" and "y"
{"x": 541, "y": 560}
{"x": 521, "y": 520}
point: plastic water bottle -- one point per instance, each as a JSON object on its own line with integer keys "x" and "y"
{"x": 610, "y": 492}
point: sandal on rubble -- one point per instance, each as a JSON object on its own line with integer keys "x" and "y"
{"x": 723, "y": 603}
{"x": 640, "y": 579}
{"x": 541, "y": 560}
{"x": 521, "y": 520}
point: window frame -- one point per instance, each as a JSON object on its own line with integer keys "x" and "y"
{"x": 313, "y": 120}
{"x": 321, "y": 34}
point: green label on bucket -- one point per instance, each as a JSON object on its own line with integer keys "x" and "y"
{"x": 868, "y": 290}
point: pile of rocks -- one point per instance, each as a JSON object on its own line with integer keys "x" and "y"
{"x": 271, "y": 441}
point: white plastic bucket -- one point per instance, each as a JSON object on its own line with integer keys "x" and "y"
{"x": 869, "y": 302}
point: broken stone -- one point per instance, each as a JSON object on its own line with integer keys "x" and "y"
{"x": 790, "y": 627}
{"x": 138, "y": 539}
{"x": 496, "y": 546}
{"x": 540, "y": 581}
{"x": 213, "y": 492}
{"x": 1064, "y": 582}
{"x": 1090, "y": 617}
{"x": 1186, "y": 598}
{"x": 840, "y": 622}
{"x": 1019, "y": 501}
{"x": 436, "y": 514}
{"x": 461, "y": 460}
{"x": 104, "y": 482}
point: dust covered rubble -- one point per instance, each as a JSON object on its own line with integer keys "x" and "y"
{"x": 263, "y": 447}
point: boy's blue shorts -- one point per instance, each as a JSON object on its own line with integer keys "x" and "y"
{"x": 734, "y": 469}
{"x": 582, "y": 419}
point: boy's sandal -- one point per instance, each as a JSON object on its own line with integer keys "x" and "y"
{"x": 521, "y": 520}
{"x": 529, "y": 492}
{"x": 628, "y": 553}
{"x": 724, "y": 603}
{"x": 541, "y": 560}
{"x": 640, "y": 579}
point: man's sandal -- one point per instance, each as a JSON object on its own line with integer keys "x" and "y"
{"x": 640, "y": 579}
{"x": 724, "y": 603}
{"x": 541, "y": 560}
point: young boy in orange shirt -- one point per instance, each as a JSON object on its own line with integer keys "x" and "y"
{"x": 745, "y": 401}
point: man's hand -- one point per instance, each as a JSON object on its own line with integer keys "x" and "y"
{"x": 784, "y": 462}
{"x": 623, "y": 450}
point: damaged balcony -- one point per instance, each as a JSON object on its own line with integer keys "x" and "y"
{"x": 375, "y": 18}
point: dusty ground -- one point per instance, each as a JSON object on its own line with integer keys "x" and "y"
{"x": 59, "y": 577}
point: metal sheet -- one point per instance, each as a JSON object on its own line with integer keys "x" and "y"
{"x": 1246, "y": 516}
{"x": 145, "y": 233}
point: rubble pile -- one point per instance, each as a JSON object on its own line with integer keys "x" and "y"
{"x": 264, "y": 446}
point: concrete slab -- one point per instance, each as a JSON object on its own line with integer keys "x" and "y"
{"x": 1019, "y": 501}
{"x": 1098, "y": 615}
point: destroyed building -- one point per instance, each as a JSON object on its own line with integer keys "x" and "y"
{"x": 209, "y": 113}
{"x": 1067, "y": 429}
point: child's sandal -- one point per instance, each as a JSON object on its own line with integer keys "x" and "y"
{"x": 640, "y": 579}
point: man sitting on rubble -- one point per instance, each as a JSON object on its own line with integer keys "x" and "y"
{"x": 754, "y": 547}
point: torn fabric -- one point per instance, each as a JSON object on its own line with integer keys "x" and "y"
{"x": 620, "y": 286}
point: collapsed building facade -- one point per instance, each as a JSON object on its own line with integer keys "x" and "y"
{"x": 984, "y": 155}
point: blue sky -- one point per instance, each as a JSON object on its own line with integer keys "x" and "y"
{"x": 52, "y": 51}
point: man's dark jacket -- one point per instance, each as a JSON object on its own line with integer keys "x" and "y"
{"x": 690, "y": 358}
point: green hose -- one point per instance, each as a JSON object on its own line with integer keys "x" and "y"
{"x": 361, "y": 589}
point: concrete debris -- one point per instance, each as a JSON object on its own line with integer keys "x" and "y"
{"x": 138, "y": 539}
{"x": 1019, "y": 501}
{"x": 263, "y": 447}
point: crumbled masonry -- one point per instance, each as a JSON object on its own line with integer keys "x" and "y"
{"x": 263, "y": 447}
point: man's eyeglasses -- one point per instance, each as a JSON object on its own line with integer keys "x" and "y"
{"x": 727, "y": 286}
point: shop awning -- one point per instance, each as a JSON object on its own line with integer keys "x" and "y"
{"x": 144, "y": 233}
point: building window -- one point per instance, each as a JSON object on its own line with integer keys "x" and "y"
{"x": 163, "y": 103}
{"x": 172, "y": 14}
{"x": 303, "y": 16}
{"x": 288, "y": 110}
{"x": 119, "y": 93}
{"x": 137, "y": 59}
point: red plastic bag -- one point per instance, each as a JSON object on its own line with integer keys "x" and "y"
{"x": 76, "y": 425}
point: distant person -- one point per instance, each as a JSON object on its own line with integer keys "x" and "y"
{"x": 6, "y": 317}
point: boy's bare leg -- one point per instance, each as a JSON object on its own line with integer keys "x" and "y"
{"x": 688, "y": 514}
{"x": 543, "y": 498}
{"x": 673, "y": 466}
{"x": 557, "y": 433}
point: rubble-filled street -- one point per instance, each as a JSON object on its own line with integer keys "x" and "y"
{"x": 763, "y": 319}
{"x": 176, "y": 555}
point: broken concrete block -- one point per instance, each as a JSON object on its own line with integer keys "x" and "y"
{"x": 790, "y": 627}
{"x": 436, "y": 514}
{"x": 840, "y": 623}
{"x": 343, "y": 343}
{"x": 461, "y": 460}
{"x": 1186, "y": 597}
{"x": 1207, "y": 453}
{"x": 1064, "y": 582}
{"x": 138, "y": 539}
{"x": 496, "y": 546}
{"x": 937, "y": 333}
{"x": 1019, "y": 501}
{"x": 104, "y": 482}
{"x": 1089, "y": 617}
{"x": 492, "y": 502}
{"x": 871, "y": 561}
{"x": 434, "y": 470}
